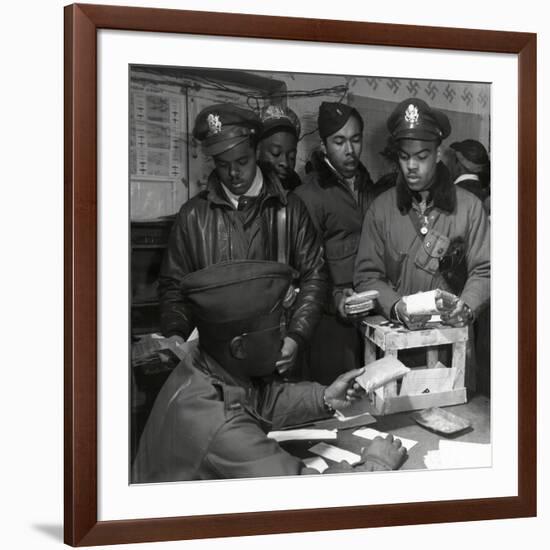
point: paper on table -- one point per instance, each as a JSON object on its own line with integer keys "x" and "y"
{"x": 459, "y": 454}
{"x": 419, "y": 381}
{"x": 316, "y": 462}
{"x": 302, "y": 434}
{"x": 334, "y": 453}
{"x": 370, "y": 433}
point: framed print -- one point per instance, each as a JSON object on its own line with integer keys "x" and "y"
{"x": 173, "y": 117}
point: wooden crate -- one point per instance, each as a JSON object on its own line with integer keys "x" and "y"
{"x": 390, "y": 339}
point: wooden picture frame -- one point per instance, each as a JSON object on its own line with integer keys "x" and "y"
{"x": 80, "y": 269}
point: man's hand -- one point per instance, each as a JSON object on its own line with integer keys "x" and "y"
{"x": 344, "y": 390}
{"x": 410, "y": 321}
{"x": 289, "y": 352}
{"x": 175, "y": 340}
{"x": 341, "y": 302}
{"x": 460, "y": 316}
{"x": 385, "y": 454}
{"x": 341, "y": 306}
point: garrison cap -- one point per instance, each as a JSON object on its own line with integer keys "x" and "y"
{"x": 333, "y": 116}
{"x": 472, "y": 155}
{"x": 275, "y": 117}
{"x": 415, "y": 119}
{"x": 223, "y": 126}
{"x": 231, "y": 298}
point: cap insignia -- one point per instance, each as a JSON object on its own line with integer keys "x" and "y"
{"x": 411, "y": 115}
{"x": 214, "y": 123}
{"x": 274, "y": 111}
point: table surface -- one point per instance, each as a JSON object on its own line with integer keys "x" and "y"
{"x": 477, "y": 411}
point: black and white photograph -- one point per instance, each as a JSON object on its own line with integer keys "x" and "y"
{"x": 310, "y": 274}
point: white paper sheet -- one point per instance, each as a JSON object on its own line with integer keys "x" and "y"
{"x": 316, "y": 462}
{"x": 370, "y": 433}
{"x": 301, "y": 434}
{"x": 458, "y": 454}
{"x": 419, "y": 381}
{"x": 334, "y": 453}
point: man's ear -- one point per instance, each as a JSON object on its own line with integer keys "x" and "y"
{"x": 439, "y": 153}
{"x": 237, "y": 347}
{"x": 323, "y": 147}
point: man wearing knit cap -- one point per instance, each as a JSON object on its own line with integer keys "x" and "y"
{"x": 243, "y": 213}
{"x": 337, "y": 194}
{"x": 279, "y": 142}
{"x": 472, "y": 167}
{"x": 212, "y": 415}
{"x": 425, "y": 233}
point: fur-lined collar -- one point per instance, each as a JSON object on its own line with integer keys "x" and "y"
{"x": 328, "y": 176}
{"x": 442, "y": 192}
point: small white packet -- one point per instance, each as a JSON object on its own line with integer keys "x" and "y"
{"x": 380, "y": 372}
{"x": 425, "y": 303}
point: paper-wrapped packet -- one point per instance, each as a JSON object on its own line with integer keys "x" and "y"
{"x": 361, "y": 302}
{"x": 425, "y": 303}
{"x": 381, "y": 372}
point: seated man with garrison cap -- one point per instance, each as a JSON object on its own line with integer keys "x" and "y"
{"x": 425, "y": 233}
{"x": 236, "y": 218}
{"x": 212, "y": 415}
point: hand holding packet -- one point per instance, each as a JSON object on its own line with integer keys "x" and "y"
{"x": 381, "y": 372}
{"x": 432, "y": 302}
{"x": 361, "y": 302}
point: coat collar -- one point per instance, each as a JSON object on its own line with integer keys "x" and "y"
{"x": 272, "y": 188}
{"x": 442, "y": 192}
{"x": 329, "y": 176}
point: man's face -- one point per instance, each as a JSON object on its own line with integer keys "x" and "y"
{"x": 279, "y": 150}
{"x": 418, "y": 161}
{"x": 258, "y": 351}
{"x": 343, "y": 148}
{"x": 236, "y": 168}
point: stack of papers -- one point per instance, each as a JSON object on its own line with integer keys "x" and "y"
{"x": 370, "y": 433}
{"x": 316, "y": 462}
{"x": 302, "y": 434}
{"x": 457, "y": 454}
{"x": 334, "y": 453}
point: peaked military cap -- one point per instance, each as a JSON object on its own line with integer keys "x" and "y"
{"x": 333, "y": 116}
{"x": 223, "y": 126}
{"x": 230, "y": 298}
{"x": 275, "y": 117}
{"x": 472, "y": 155}
{"x": 415, "y": 119}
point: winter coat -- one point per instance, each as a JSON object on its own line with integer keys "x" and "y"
{"x": 209, "y": 230}
{"x": 395, "y": 259}
{"x": 205, "y": 424}
{"x": 338, "y": 215}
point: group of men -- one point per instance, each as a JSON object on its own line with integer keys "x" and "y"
{"x": 262, "y": 263}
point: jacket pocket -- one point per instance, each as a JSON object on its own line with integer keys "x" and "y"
{"x": 340, "y": 256}
{"x": 435, "y": 246}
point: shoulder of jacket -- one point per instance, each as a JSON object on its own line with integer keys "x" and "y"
{"x": 385, "y": 200}
{"x": 196, "y": 400}
{"x": 468, "y": 199}
{"x": 193, "y": 203}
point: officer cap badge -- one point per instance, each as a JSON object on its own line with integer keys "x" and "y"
{"x": 411, "y": 115}
{"x": 214, "y": 123}
{"x": 274, "y": 111}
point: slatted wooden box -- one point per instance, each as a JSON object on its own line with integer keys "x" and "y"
{"x": 391, "y": 339}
